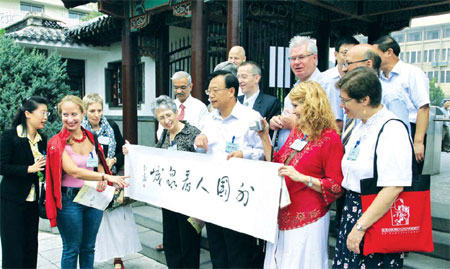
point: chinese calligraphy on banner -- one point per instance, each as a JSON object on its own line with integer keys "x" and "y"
{"x": 239, "y": 194}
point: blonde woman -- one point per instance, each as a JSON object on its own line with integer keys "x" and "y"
{"x": 312, "y": 158}
{"x": 72, "y": 157}
{"x": 118, "y": 235}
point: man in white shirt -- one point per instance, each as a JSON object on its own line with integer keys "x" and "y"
{"x": 392, "y": 96}
{"x": 416, "y": 85}
{"x": 341, "y": 47}
{"x": 189, "y": 108}
{"x": 226, "y": 135}
{"x": 303, "y": 60}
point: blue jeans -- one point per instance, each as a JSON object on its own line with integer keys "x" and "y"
{"x": 78, "y": 226}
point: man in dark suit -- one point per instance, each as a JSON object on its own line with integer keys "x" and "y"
{"x": 249, "y": 75}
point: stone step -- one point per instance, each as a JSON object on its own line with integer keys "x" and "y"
{"x": 151, "y": 217}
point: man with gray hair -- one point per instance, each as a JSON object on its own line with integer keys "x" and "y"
{"x": 303, "y": 61}
{"x": 189, "y": 108}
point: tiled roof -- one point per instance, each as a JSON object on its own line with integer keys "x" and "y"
{"x": 38, "y": 28}
{"x": 99, "y": 31}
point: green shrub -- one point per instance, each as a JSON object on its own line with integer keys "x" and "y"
{"x": 23, "y": 74}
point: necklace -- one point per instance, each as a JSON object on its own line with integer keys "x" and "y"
{"x": 81, "y": 139}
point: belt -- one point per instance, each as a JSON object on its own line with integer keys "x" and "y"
{"x": 70, "y": 190}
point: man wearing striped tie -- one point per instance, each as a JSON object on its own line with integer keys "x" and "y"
{"x": 189, "y": 108}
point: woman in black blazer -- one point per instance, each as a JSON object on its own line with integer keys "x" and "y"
{"x": 22, "y": 162}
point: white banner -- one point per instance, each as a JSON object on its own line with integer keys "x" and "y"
{"x": 239, "y": 194}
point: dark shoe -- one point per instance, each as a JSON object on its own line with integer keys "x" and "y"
{"x": 160, "y": 247}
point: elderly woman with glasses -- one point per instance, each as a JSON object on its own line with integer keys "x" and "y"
{"x": 22, "y": 162}
{"x": 312, "y": 158}
{"x": 117, "y": 235}
{"x": 180, "y": 239}
{"x": 361, "y": 99}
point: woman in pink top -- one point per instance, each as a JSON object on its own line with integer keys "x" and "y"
{"x": 81, "y": 158}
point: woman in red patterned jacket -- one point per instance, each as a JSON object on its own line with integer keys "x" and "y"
{"x": 312, "y": 156}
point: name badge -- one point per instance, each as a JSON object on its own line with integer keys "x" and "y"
{"x": 104, "y": 140}
{"x": 298, "y": 144}
{"x": 173, "y": 147}
{"x": 353, "y": 155}
{"x": 92, "y": 161}
{"x": 230, "y": 147}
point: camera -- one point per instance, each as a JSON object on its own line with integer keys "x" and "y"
{"x": 259, "y": 126}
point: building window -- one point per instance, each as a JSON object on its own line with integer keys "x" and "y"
{"x": 76, "y": 15}
{"x": 27, "y": 7}
{"x": 444, "y": 54}
{"x": 447, "y": 32}
{"x": 400, "y": 38}
{"x": 447, "y": 76}
{"x": 442, "y": 76}
{"x": 401, "y": 56}
{"x": 113, "y": 84}
{"x": 436, "y": 76}
{"x": 432, "y": 34}
{"x": 415, "y": 36}
{"x": 413, "y": 57}
{"x": 436, "y": 56}
{"x": 407, "y": 56}
{"x": 430, "y": 55}
{"x": 419, "y": 57}
{"x": 425, "y": 56}
{"x": 430, "y": 75}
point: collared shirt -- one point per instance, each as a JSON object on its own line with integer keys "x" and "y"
{"x": 233, "y": 129}
{"x": 395, "y": 100}
{"x": 394, "y": 153}
{"x": 333, "y": 97}
{"x": 195, "y": 112}
{"x": 414, "y": 82}
{"x": 36, "y": 155}
{"x": 251, "y": 101}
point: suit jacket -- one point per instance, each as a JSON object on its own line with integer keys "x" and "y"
{"x": 15, "y": 157}
{"x": 267, "y": 105}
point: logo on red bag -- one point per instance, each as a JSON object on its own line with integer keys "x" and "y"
{"x": 399, "y": 213}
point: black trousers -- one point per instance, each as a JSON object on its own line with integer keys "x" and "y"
{"x": 181, "y": 241}
{"x": 230, "y": 249}
{"x": 413, "y": 133}
{"x": 19, "y": 225}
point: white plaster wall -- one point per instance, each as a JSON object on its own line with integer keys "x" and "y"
{"x": 96, "y": 60}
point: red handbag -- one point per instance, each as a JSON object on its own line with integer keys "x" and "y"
{"x": 406, "y": 226}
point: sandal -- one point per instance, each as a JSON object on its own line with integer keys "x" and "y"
{"x": 118, "y": 264}
{"x": 160, "y": 247}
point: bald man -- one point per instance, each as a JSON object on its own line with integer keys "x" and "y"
{"x": 392, "y": 96}
{"x": 236, "y": 55}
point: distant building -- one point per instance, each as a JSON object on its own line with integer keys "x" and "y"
{"x": 426, "y": 44}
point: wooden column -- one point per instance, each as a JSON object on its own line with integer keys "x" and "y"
{"x": 129, "y": 57}
{"x": 233, "y": 9}
{"x": 323, "y": 46}
{"x": 198, "y": 50}
{"x": 162, "y": 63}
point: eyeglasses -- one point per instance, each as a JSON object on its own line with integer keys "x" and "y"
{"x": 44, "y": 113}
{"x": 343, "y": 53}
{"x": 347, "y": 64}
{"x": 299, "y": 57}
{"x": 214, "y": 91}
{"x": 344, "y": 101}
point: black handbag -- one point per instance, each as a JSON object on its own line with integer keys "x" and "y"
{"x": 41, "y": 201}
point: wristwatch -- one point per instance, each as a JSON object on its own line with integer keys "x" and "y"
{"x": 359, "y": 227}
{"x": 310, "y": 183}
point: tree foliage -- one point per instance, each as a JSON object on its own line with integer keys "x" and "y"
{"x": 436, "y": 94}
{"x": 23, "y": 74}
